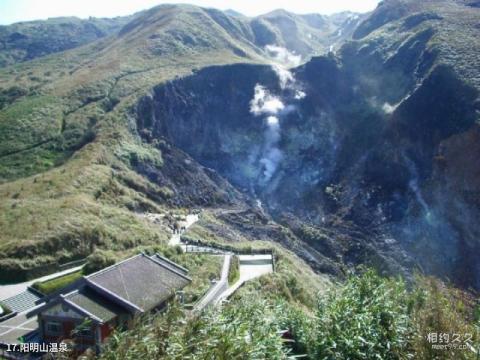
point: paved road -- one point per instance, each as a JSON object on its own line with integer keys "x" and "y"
{"x": 11, "y": 330}
{"x": 251, "y": 267}
{"x": 216, "y": 291}
{"x": 10, "y": 290}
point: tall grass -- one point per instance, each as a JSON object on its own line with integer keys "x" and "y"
{"x": 367, "y": 317}
{"x": 246, "y": 330}
{"x": 234, "y": 270}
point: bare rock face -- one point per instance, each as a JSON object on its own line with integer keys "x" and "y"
{"x": 367, "y": 157}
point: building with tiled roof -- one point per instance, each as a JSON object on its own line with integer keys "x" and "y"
{"x": 110, "y": 298}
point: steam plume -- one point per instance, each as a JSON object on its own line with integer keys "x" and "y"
{"x": 283, "y": 56}
{"x": 265, "y": 103}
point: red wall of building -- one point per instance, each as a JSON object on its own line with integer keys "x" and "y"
{"x": 106, "y": 330}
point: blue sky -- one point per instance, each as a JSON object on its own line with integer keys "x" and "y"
{"x": 22, "y": 10}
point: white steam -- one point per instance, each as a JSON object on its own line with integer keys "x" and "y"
{"x": 414, "y": 186}
{"x": 265, "y": 103}
{"x": 299, "y": 94}
{"x": 272, "y": 121}
{"x": 283, "y": 59}
{"x": 272, "y": 155}
{"x": 283, "y": 56}
{"x": 388, "y": 108}
{"x": 273, "y": 108}
{"x": 270, "y": 162}
{"x": 285, "y": 77}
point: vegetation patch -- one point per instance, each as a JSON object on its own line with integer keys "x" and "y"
{"x": 4, "y": 310}
{"x": 245, "y": 330}
{"x": 8, "y": 96}
{"x": 52, "y": 285}
{"x": 99, "y": 260}
{"x": 234, "y": 270}
{"x": 29, "y": 122}
{"x": 367, "y": 317}
{"x": 134, "y": 154}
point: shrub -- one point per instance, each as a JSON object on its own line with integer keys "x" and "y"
{"x": 99, "y": 260}
{"x": 109, "y": 103}
{"x": 234, "y": 271}
{"x": 439, "y": 309}
{"x": 8, "y": 96}
{"x": 248, "y": 329}
{"x": 366, "y": 319}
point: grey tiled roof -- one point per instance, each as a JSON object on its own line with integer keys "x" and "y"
{"x": 94, "y": 304}
{"x": 23, "y": 301}
{"x": 169, "y": 264}
{"x": 141, "y": 281}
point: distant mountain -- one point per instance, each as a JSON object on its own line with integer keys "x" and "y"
{"x": 234, "y": 13}
{"x": 303, "y": 34}
{"x": 28, "y": 40}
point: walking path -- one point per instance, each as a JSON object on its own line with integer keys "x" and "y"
{"x": 216, "y": 291}
{"x": 251, "y": 267}
{"x": 188, "y": 248}
{"x": 19, "y": 326}
{"x": 175, "y": 239}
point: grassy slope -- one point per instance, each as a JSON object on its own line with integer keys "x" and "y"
{"x": 62, "y": 197}
{"x": 454, "y": 41}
